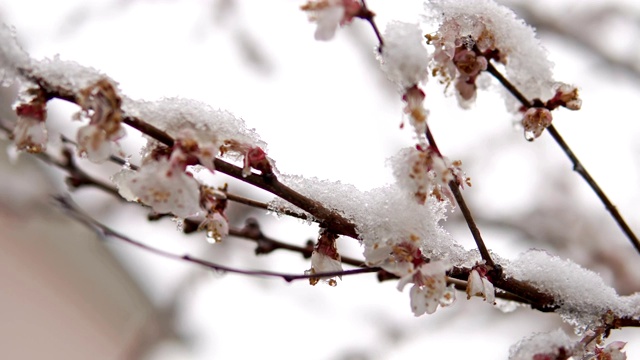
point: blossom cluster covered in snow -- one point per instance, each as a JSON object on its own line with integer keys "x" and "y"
{"x": 495, "y": 30}
{"x": 164, "y": 180}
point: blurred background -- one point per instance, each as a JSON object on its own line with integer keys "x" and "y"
{"x": 326, "y": 111}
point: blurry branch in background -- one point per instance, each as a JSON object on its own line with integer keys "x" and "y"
{"x": 577, "y": 165}
{"x": 591, "y": 28}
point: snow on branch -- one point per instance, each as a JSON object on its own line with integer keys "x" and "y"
{"x": 399, "y": 225}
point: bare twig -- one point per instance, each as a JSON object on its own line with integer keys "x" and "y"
{"x": 104, "y": 231}
{"x": 369, "y": 16}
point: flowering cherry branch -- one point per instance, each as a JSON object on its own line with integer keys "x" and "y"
{"x": 415, "y": 94}
{"x": 397, "y": 225}
{"x": 577, "y": 165}
{"x": 517, "y": 291}
{"x": 268, "y": 182}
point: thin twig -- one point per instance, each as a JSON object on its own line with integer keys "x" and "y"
{"x": 369, "y": 16}
{"x": 104, "y": 231}
{"x": 577, "y": 165}
{"x": 466, "y": 212}
{"x": 264, "y": 206}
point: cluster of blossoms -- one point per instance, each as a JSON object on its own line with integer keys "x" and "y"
{"x": 460, "y": 61}
{"x": 469, "y": 37}
{"x": 538, "y": 117}
{"x": 329, "y": 14}
{"x": 405, "y": 260}
{"x": 166, "y": 182}
{"x": 100, "y": 103}
{"x": 425, "y": 172}
{"x": 162, "y": 183}
{"x": 471, "y": 34}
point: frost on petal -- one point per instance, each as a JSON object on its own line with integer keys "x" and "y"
{"x": 30, "y": 132}
{"x": 404, "y": 58}
{"x": 216, "y": 226}
{"x": 550, "y": 345}
{"x": 93, "y": 143}
{"x": 325, "y": 257}
{"x": 122, "y": 180}
{"x": 495, "y": 31}
{"x": 534, "y": 121}
{"x": 163, "y": 187}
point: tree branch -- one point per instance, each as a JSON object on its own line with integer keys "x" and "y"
{"x": 104, "y": 231}
{"x": 466, "y": 212}
{"x": 577, "y": 165}
{"x": 327, "y": 218}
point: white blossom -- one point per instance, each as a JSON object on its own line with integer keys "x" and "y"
{"x": 429, "y": 287}
{"x": 30, "y": 132}
{"x": 329, "y": 14}
{"x": 478, "y": 285}
{"x": 102, "y": 105}
{"x": 321, "y": 263}
{"x": 613, "y": 351}
{"x": 163, "y": 185}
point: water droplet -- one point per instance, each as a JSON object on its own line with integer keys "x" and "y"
{"x": 213, "y": 237}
